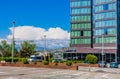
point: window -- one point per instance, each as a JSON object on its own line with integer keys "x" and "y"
{"x": 75, "y": 33}
{"x": 80, "y": 10}
{"x": 106, "y": 40}
{"x": 81, "y": 26}
{"x": 81, "y": 41}
{"x": 80, "y": 3}
{"x": 102, "y": 1}
{"x": 80, "y": 18}
{"x": 105, "y": 6}
{"x": 106, "y": 23}
{"x": 105, "y": 15}
{"x": 81, "y": 33}
{"x": 87, "y": 33}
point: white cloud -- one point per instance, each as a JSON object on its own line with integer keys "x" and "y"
{"x": 35, "y": 33}
{"x": 56, "y": 37}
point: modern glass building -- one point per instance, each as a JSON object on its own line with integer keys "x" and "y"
{"x": 95, "y": 28}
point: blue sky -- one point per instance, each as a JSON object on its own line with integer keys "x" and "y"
{"x": 38, "y": 13}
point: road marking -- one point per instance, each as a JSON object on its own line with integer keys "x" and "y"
{"x": 2, "y": 72}
{"x": 11, "y": 78}
{"x": 105, "y": 75}
{"x": 80, "y": 73}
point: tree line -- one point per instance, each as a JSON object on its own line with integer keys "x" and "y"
{"x": 27, "y": 48}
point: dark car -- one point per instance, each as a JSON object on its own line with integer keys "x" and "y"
{"x": 114, "y": 64}
{"x": 102, "y": 63}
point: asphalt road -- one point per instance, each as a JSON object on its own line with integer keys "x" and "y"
{"x": 43, "y": 73}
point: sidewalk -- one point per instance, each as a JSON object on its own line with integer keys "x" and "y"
{"x": 97, "y": 69}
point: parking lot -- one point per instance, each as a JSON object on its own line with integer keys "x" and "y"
{"x": 43, "y": 73}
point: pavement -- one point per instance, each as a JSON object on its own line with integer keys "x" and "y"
{"x": 7, "y": 72}
{"x": 99, "y": 69}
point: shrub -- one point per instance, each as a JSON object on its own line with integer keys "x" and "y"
{"x": 68, "y": 63}
{"x": 55, "y": 63}
{"x": 20, "y": 59}
{"x": 7, "y": 59}
{"x": 92, "y": 59}
{"x": 51, "y": 59}
{"x": 2, "y": 58}
{"x": 16, "y": 59}
{"x": 45, "y": 62}
{"x": 25, "y": 61}
{"x": 80, "y": 61}
{"x": 75, "y": 61}
{"x": 35, "y": 62}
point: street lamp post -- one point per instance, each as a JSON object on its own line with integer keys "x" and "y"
{"x": 44, "y": 43}
{"x": 44, "y": 47}
{"x": 116, "y": 53}
{"x": 13, "y": 28}
{"x": 102, "y": 49}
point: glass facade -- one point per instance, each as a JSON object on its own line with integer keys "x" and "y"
{"x": 81, "y": 13}
{"x": 93, "y": 19}
{"x": 105, "y": 21}
{"x": 96, "y": 24}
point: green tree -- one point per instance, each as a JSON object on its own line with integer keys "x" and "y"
{"x": 6, "y": 49}
{"x": 92, "y": 59}
{"x": 27, "y": 49}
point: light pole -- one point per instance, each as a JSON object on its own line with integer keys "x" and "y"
{"x": 116, "y": 53}
{"x": 44, "y": 43}
{"x": 13, "y": 28}
{"x": 102, "y": 49}
{"x": 44, "y": 47}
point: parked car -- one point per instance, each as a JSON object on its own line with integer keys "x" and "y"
{"x": 57, "y": 60}
{"x": 35, "y": 58}
{"x": 114, "y": 64}
{"x": 102, "y": 64}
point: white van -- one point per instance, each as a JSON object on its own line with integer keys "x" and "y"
{"x": 34, "y": 58}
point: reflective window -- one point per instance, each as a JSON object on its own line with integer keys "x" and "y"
{"x": 87, "y": 33}
{"x": 81, "y": 26}
{"x": 112, "y": 31}
{"x": 105, "y": 15}
{"x": 107, "y": 31}
{"x": 80, "y": 10}
{"x": 80, "y": 3}
{"x": 106, "y": 40}
{"x": 105, "y": 7}
{"x": 80, "y": 18}
{"x": 106, "y": 23}
{"x": 81, "y": 41}
{"x": 75, "y": 33}
{"x": 80, "y": 33}
{"x": 102, "y": 1}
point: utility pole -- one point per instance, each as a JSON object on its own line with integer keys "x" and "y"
{"x": 13, "y": 28}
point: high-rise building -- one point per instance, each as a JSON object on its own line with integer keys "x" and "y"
{"x": 95, "y": 28}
